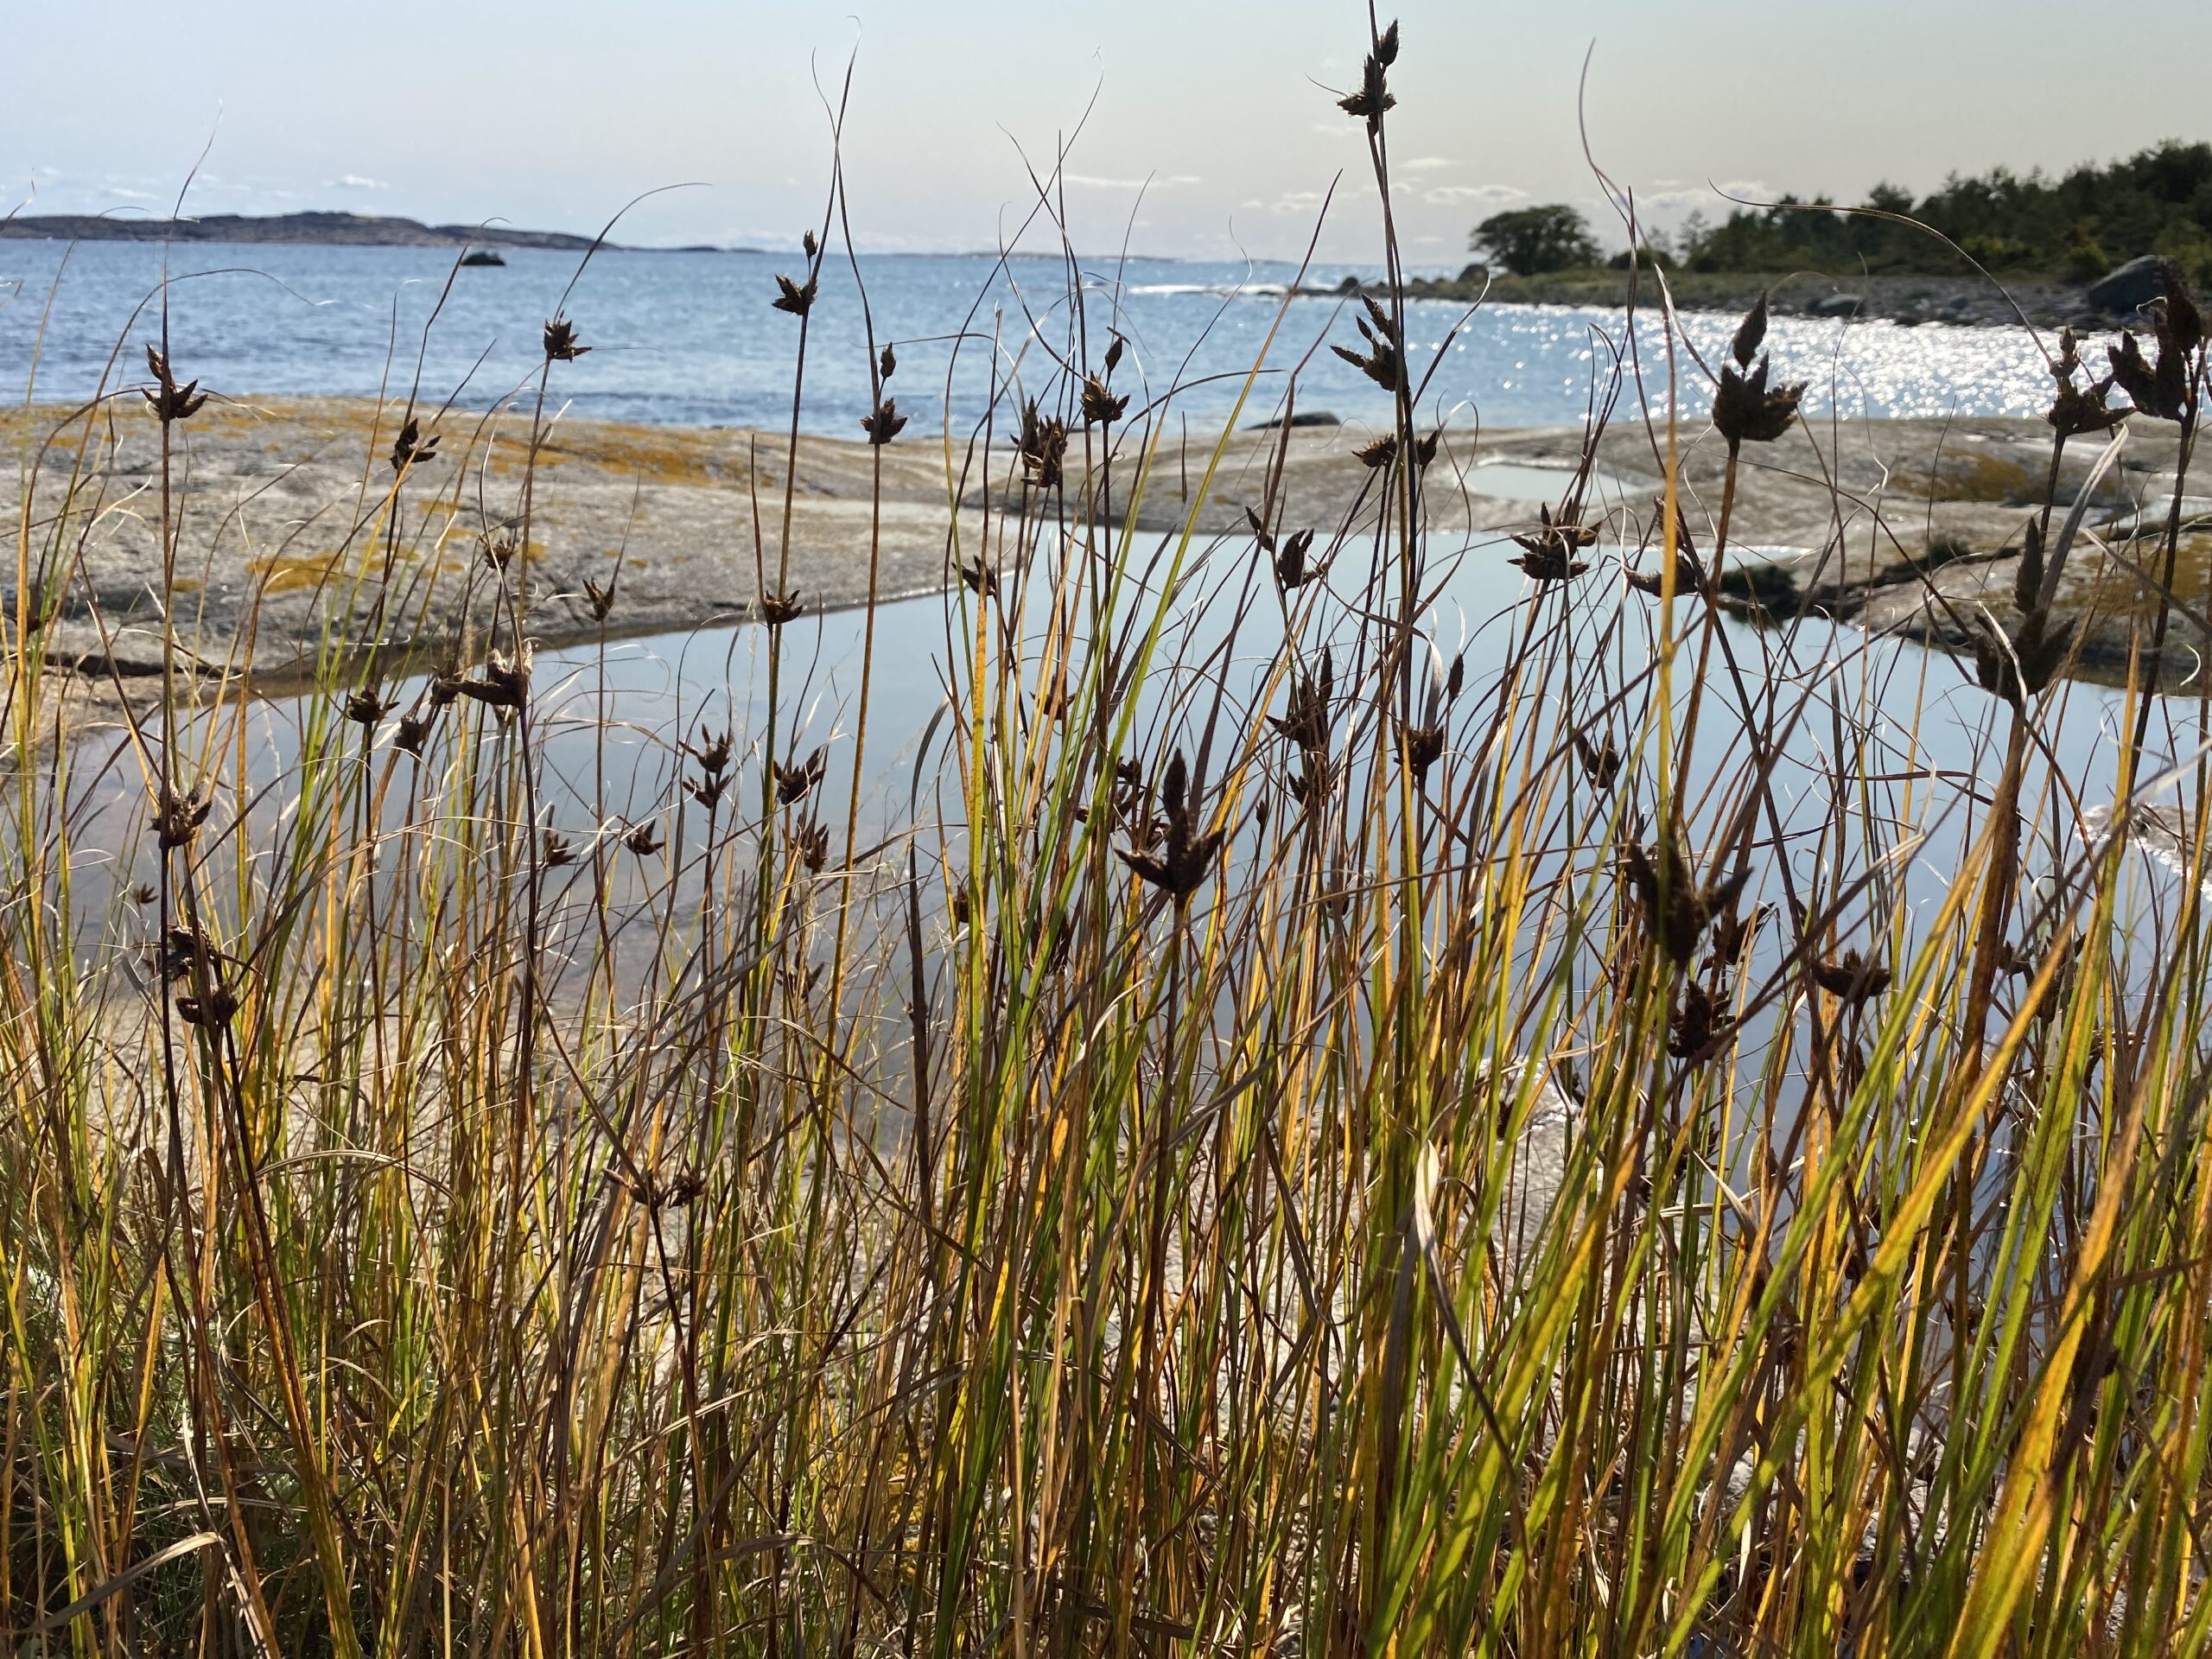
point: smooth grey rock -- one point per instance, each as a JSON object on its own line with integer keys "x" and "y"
{"x": 1304, "y": 417}
{"x": 2135, "y": 285}
{"x": 1836, "y": 305}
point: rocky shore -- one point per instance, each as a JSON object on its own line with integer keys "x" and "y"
{"x": 290, "y": 532}
{"x": 1906, "y": 299}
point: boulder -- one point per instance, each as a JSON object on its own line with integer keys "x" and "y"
{"x": 1836, "y": 305}
{"x": 1303, "y": 417}
{"x": 2135, "y": 285}
{"x": 1475, "y": 273}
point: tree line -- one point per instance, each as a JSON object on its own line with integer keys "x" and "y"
{"x": 2078, "y": 225}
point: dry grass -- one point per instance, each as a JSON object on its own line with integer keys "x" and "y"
{"x": 1288, "y": 1148}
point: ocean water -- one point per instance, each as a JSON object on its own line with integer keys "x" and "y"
{"x": 692, "y": 337}
{"x": 612, "y": 718}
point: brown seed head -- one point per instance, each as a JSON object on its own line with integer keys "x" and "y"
{"x": 712, "y": 754}
{"x": 504, "y": 683}
{"x": 561, "y": 344}
{"x": 1187, "y": 856}
{"x": 793, "y": 781}
{"x": 2166, "y": 387}
{"x": 1042, "y": 445}
{"x": 1675, "y": 910}
{"x": 1694, "y": 1024}
{"x": 885, "y": 424}
{"x": 1600, "y": 765}
{"x": 1306, "y": 721}
{"x": 178, "y": 817}
{"x": 1547, "y": 555}
{"x": 211, "y": 1013}
{"x": 1850, "y": 979}
{"x": 1379, "y": 362}
{"x": 170, "y": 401}
{"x": 1424, "y": 747}
{"x": 1745, "y": 412}
{"x": 811, "y": 843}
{"x": 410, "y": 449}
{"x": 1100, "y": 406}
{"x": 1750, "y": 333}
{"x": 793, "y": 297}
{"x": 1374, "y": 96}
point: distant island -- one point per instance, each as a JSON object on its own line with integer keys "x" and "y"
{"x": 322, "y": 229}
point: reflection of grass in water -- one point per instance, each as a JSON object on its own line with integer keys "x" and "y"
{"x": 1365, "y": 1157}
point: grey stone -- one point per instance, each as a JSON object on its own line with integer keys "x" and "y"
{"x": 1304, "y": 417}
{"x": 1836, "y": 305}
{"x": 2135, "y": 285}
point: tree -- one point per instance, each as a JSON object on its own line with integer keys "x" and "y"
{"x": 1530, "y": 241}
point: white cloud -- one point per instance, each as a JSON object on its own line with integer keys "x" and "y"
{"x": 1707, "y": 196}
{"x": 354, "y": 181}
{"x": 1299, "y": 202}
{"x": 1453, "y": 196}
{"x": 1092, "y": 182}
{"x": 1426, "y": 163}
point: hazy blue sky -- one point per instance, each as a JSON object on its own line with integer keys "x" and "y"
{"x": 551, "y": 113}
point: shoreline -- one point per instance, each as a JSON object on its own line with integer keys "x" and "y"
{"x": 1907, "y": 301}
{"x": 289, "y": 538}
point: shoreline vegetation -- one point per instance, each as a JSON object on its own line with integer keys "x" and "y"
{"x": 1293, "y": 1137}
{"x": 2087, "y": 248}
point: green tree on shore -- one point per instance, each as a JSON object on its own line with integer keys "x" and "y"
{"x": 1529, "y": 241}
{"x": 2078, "y": 225}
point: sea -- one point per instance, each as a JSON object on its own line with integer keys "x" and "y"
{"x": 693, "y": 338}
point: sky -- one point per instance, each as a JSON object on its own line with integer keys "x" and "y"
{"x": 1194, "y": 128}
